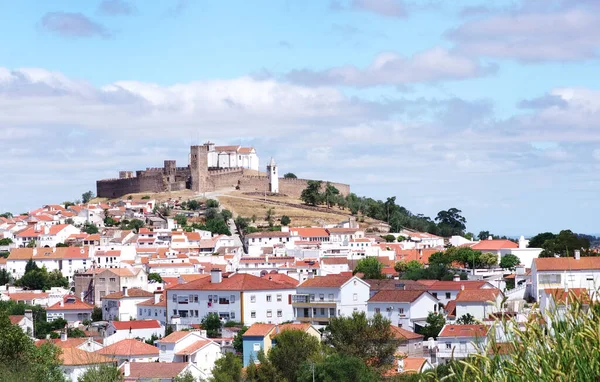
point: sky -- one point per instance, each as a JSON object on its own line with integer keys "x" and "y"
{"x": 488, "y": 106}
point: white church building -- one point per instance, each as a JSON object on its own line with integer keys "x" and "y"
{"x": 232, "y": 156}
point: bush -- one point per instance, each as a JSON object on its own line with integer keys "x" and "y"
{"x": 285, "y": 220}
{"x": 212, "y": 203}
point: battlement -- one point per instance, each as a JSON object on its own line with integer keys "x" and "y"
{"x": 186, "y": 168}
{"x": 154, "y": 169}
{"x": 225, "y": 171}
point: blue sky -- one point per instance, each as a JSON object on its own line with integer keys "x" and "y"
{"x": 488, "y": 106}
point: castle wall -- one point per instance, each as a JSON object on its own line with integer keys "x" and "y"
{"x": 224, "y": 178}
{"x": 199, "y": 168}
{"x": 113, "y": 188}
{"x": 290, "y": 187}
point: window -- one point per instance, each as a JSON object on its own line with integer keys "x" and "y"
{"x": 163, "y": 347}
{"x": 232, "y": 315}
{"x": 253, "y": 314}
{"x": 330, "y": 296}
{"x": 252, "y": 298}
{"x": 256, "y": 347}
{"x": 195, "y": 298}
{"x": 314, "y": 312}
{"x": 448, "y": 295}
{"x": 401, "y": 310}
{"x": 268, "y": 298}
{"x": 102, "y": 279}
{"x": 196, "y": 313}
{"x": 279, "y": 298}
{"x": 140, "y": 311}
{"x": 321, "y": 297}
{"x": 174, "y": 298}
{"x": 448, "y": 345}
{"x": 279, "y": 313}
{"x": 112, "y": 279}
{"x": 549, "y": 279}
{"x": 332, "y": 312}
{"x": 232, "y": 299}
{"x": 312, "y": 297}
{"x": 322, "y": 311}
{"x": 269, "y": 313}
{"x": 223, "y": 300}
{"x": 377, "y": 310}
{"x": 434, "y": 294}
{"x": 355, "y": 297}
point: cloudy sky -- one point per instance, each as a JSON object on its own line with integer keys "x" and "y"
{"x": 489, "y": 106}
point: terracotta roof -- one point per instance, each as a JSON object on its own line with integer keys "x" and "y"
{"x": 413, "y": 364}
{"x": 566, "y": 263}
{"x": 259, "y": 330}
{"x": 464, "y": 331}
{"x": 343, "y": 230}
{"x": 281, "y": 278}
{"x": 268, "y": 234}
{"x": 26, "y": 296}
{"x": 494, "y": 245}
{"x": 227, "y": 148}
{"x": 68, "y": 343}
{"x": 20, "y": 254}
{"x": 397, "y": 296}
{"x": 193, "y": 276}
{"x": 403, "y": 334}
{"x": 193, "y": 236}
{"x": 174, "y": 337}
{"x": 71, "y": 303}
{"x": 246, "y": 150}
{"x": 199, "y": 344}
{"x": 131, "y": 292}
{"x": 15, "y": 319}
{"x": 154, "y": 370}
{"x": 136, "y": 324}
{"x": 330, "y": 281}
{"x": 129, "y": 347}
{"x": 310, "y": 232}
{"x": 451, "y": 308}
{"x": 334, "y": 260}
{"x": 562, "y": 296}
{"x": 478, "y": 295}
{"x": 456, "y": 285}
{"x": 237, "y": 282}
{"x": 76, "y": 357}
{"x": 52, "y": 230}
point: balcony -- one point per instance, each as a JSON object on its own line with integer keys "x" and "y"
{"x": 306, "y": 300}
{"x": 313, "y": 319}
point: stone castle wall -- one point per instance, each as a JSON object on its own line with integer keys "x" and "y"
{"x": 114, "y": 188}
{"x": 290, "y": 187}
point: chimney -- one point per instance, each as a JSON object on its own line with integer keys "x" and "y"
{"x": 456, "y": 277}
{"x": 215, "y": 276}
{"x": 462, "y": 287}
{"x": 490, "y": 238}
{"x": 520, "y": 269}
{"x": 46, "y": 230}
{"x": 29, "y": 314}
{"x": 62, "y": 302}
{"x": 400, "y": 365}
{"x": 125, "y": 294}
{"x": 63, "y": 335}
{"x": 577, "y": 254}
{"x": 126, "y": 369}
{"x": 157, "y": 295}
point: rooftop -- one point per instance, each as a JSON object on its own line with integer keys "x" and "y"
{"x": 397, "y": 295}
{"x": 129, "y": 347}
{"x": 136, "y": 324}
{"x": 566, "y": 263}
{"x": 464, "y": 331}
{"x": 236, "y": 282}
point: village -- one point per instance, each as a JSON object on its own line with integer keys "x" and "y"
{"x": 163, "y": 287}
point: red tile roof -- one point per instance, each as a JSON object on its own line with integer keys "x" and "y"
{"x": 77, "y": 357}
{"x": 52, "y": 230}
{"x": 129, "y": 347}
{"x": 268, "y": 234}
{"x": 175, "y": 337}
{"x": 566, "y": 263}
{"x": 456, "y": 285}
{"x": 26, "y": 296}
{"x": 154, "y": 370}
{"x": 397, "y": 295}
{"x": 71, "y": 303}
{"x": 494, "y": 245}
{"x": 478, "y": 295}
{"x": 237, "y": 282}
{"x": 136, "y": 324}
{"x": 199, "y": 344}
{"x": 464, "y": 331}
{"x": 451, "y": 308}
{"x": 310, "y": 232}
{"x": 403, "y": 334}
{"x": 280, "y": 278}
{"x": 132, "y": 292}
{"x": 259, "y": 330}
{"x": 330, "y": 281}
{"x": 15, "y": 319}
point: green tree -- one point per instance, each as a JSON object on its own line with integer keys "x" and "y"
{"x": 565, "y": 244}
{"x": 265, "y": 373}
{"x": 312, "y": 193}
{"x": 538, "y": 240}
{"x": 434, "y": 324}
{"x": 226, "y": 214}
{"x": 371, "y": 340}
{"x": 101, "y": 373}
{"x": 290, "y": 175}
{"x": 62, "y": 245}
{"x": 292, "y": 349}
{"x": 285, "y": 220}
{"x": 466, "y": 319}
{"x": 488, "y": 259}
{"x": 90, "y": 228}
{"x": 6, "y": 215}
{"x": 389, "y": 238}
{"x": 212, "y": 203}
{"x": 441, "y": 258}
{"x": 87, "y": 196}
{"x": 97, "y": 314}
{"x": 413, "y": 265}
{"x": 242, "y": 222}
{"x": 337, "y": 367}
{"x": 193, "y": 205}
{"x": 238, "y": 340}
{"x": 185, "y": 377}
{"x": 370, "y": 267}
{"x": 168, "y": 330}
{"x": 155, "y": 276}
{"x": 6, "y": 241}
{"x": 227, "y": 369}
{"x": 212, "y": 324}
{"x": 400, "y": 266}
{"x": 31, "y": 244}
{"x": 181, "y": 219}
{"x": 218, "y": 226}
{"x": 330, "y": 194}
{"x": 5, "y": 277}
{"x": 483, "y": 235}
{"x": 146, "y": 197}
{"x": 451, "y": 222}
{"x": 269, "y": 216}
{"x": 509, "y": 261}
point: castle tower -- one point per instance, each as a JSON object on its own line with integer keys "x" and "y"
{"x": 199, "y": 168}
{"x": 169, "y": 170}
{"x": 273, "y": 177}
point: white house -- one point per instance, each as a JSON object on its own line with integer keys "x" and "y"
{"x": 258, "y": 240}
{"x": 120, "y": 330}
{"x": 505, "y": 247}
{"x": 75, "y": 362}
{"x": 237, "y": 297}
{"x": 25, "y": 322}
{"x": 343, "y": 236}
{"x": 232, "y": 156}
{"x": 71, "y": 309}
{"x": 402, "y": 307}
{"x": 565, "y": 272}
{"x": 130, "y": 350}
{"x": 446, "y": 291}
{"x": 322, "y": 297}
{"x": 154, "y": 308}
{"x": 334, "y": 265}
{"x": 67, "y": 260}
{"x": 554, "y": 302}
{"x": 45, "y": 236}
{"x": 460, "y": 341}
{"x": 191, "y": 347}
{"x": 122, "y": 305}
{"x": 479, "y": 303}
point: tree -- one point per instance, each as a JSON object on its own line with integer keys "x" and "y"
{"x": 389, "y": 238}
{"x": 468, "y": 257}
{"x": 401, "y": 238}
{"x": 565, "y": 244}
{"x": 181, "y": 220}
{"x": 6, "y": 215}
{"x": 509, "y": 261}
{"x": 451, "y": 222}
{"x": 488, "y": 259}
{"x": 400, "y": 266}
{"x": 6, "y": 241}
{"x": 193, "y": 205}
{"x": 227, "y": 369}
{"x": 483, "y": 235}
{"x": 31, "y": 265}
{"x": 435, "y": 323}
{"x": 226, "y": 214}
{"x": 145, "y": 197}
{"x": 371, "y": 340}
{"x": 337, "y": 367}
{"x": 101, "y": 373}
{"x": 62, "y": 245}
{"x": 538, "y": 240}
{"x": 269, "y": 216}
{"x": 87, "y": 196}
{"x": 168, "y": 330}
{"x": 97, "y": 314}
{"x": 31, "y": 244}
{"x": 312, "y": 193}
{"x": 185, "y": 377}
{"x": 440, "y": 258}
{"x": 5, "y": 277}
{"x": 370, "y": 267}
{"x": 242, "y": 222}
{"x": 285, "y": 220}
{"x": 466, "y": 319}
{"x": 413, "y": 265}
{"x": 238, "y": 340}
{"x": 90, "y": 228}
{"x": 265, "y": 373}
{"x": 330, "y": 194}
{"x": 212, "y": 203}
{"x": 212, "y": 324}
{"x": 290, "y": 175}
{"x": 155, "y": 276}
{"x": 292, "y": 349}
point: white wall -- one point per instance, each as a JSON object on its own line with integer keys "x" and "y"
{"x": 261, "y": 307}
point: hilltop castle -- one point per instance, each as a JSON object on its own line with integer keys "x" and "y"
{"x": 210, "y": 167}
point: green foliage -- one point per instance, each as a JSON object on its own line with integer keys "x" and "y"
{"x": 231, "y": 324}
{"x": 155, "y": 276}
{"x": 370, "y": 267}
{"x": 468, "y": 257}
{"x": 6, "y": 215}
{"x": 400, "y": 266}
{"x": 401, "y": 238}
{"x": 31, "y": 244}
{"x": 61, "y": 245}
{"x": 371, "y": 340}
{"x": 238, "y": 340}
{"x": 538, "y": 240}
{"x": 153, "y": 337}
{"x": 181, "y": 219}
{"x": 145, "y": 197}
{"x": 432, "y": 272}
{"x": 389, "y": 238}
{"x": 466, "y": 319}
{"x": 483, "y": 235}
{"x": 134, "y": 225}
{"x": 265, "y": 373}
{"x": 185, "y": 377}
{"x": 330, "y": 195}
{"x": 269, "y": 216}
{"x": 212, "y": 203}
{"x": 451, "y": 222}
{"x": 242, "y": 222}
{"x": 488, "y": 260}
{"x": 337, "y": 367}
{"x": 312, "y": 193}
{"x": 90, "y": 228}
{"x": 227, "y": 369}
{"x": 290, "y": 175}
{"x": 212, "y": 324}
{"x": 168, "y": 330}
{"x": 97, "y": 314}
{"x": 285, "y": 220}
{"x": 5, "y": 277}
{"x": 226, "y": 214}
{"x": 6, "y": 241}
{"x": 509, "y": 261}
{"x": 564, "y": 244}
{"x": 101, "y": 373}
{"x": 75, "y": 333}
{"x": 40, "y": 278}
{"x": 87, "y": 196}
{"x": 193, "y": 205}
{"x": 435, "y": 323}
{"x": 292, "y": 349}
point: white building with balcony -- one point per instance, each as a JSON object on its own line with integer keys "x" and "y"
{"x": 403, "y": 307}
{"x": 461, "y": 341}
{"x": 190, "y": 347}
{"x": 322, "y": 297}
{"x": 123, "y": 305}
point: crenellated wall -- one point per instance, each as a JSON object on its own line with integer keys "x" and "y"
{"x": 290, "y": 187}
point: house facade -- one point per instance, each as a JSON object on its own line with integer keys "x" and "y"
{"x": 402, "y": 307}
